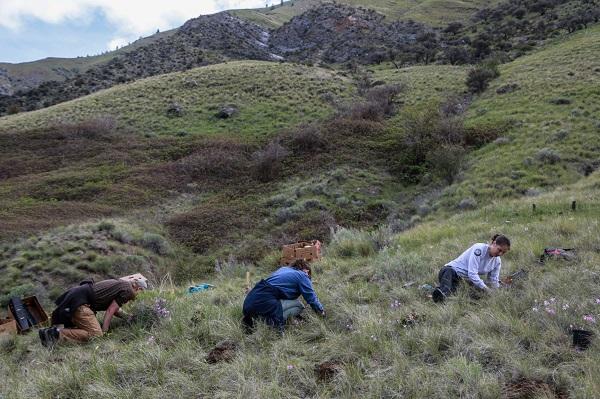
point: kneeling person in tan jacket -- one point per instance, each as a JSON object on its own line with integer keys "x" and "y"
{"x": 76, "y": 309}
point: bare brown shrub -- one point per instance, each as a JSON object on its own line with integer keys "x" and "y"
{"x": 384, "y": 97}
{"x": 98, "y": 126}
{"x": 268, "y": 162}
{"x": 223, "y": 159}
{"x": 306, "y": 139}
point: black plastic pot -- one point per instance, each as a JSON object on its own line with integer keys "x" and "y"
{"x": 582, "y": 339}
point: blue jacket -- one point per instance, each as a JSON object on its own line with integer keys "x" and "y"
{"x": 263, "y": 301}
{"x": 294, "y": 283}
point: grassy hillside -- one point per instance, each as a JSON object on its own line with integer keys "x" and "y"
{"x": 545, "y": 108}
{"x": 204, "y": 186}
{"x": 267, "y": 96}
{"x": 554, "y": 121}
{"x": 431, "y": 12}
{"x": 184, "y": 194}
{"x": 382, "y": 338}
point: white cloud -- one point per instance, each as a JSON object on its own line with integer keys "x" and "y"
{"x": 131, "y": 17}
{"x": 117, "y": 42}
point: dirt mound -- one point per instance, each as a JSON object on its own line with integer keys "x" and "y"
{"x": 223, "y": 352}
{"x": 326, "y": 371}
{"x": 525, "y": 388}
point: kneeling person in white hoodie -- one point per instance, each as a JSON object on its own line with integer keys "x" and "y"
{"x": 479, "y": 259}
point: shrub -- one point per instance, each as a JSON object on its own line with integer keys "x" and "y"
{"x": 96, "y": 127}
{"x": 446, "y": 160}
{"x": 155, "y": 243}
{"x": 467, "y": 203}
{"x": 547, "y": 156}
{"x": 280, "y": 200}
{"x": 105, "y": 225}
{"x": 479, "y": 77}
{"x": 122, "y": 236}
{"x": 285, "y": 214}
{"x": 268, "y": 162}
{"x": 347, "y": 243}
{"x": 432, "y": 141}
{"x": 384, "y": 96}
{"x": 307, "y": 139}
{"x": 457, "y": 55}
{"x": 378, "y": 104}
{"x": 13, "y": 109}
{"x": 215, "y": 160}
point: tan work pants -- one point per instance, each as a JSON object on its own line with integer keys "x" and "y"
{"x": 86, "y": 326}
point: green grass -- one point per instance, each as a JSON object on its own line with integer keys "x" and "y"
{"x": 465, "y": 348}
{"x": 432, "y": 12}
{"x": 566, "y": 69}
{"x": 41, "y": 264}
{"x": 426, "y": 85}
{"x": 269, "y": 97}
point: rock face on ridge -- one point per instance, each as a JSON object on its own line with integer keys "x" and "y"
{"x": 231, "y": 36}
{"x": 335, "y": 33}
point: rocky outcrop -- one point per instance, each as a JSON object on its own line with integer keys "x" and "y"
{"x": 335, "y": 33}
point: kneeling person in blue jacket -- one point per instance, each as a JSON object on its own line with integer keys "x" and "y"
{"x": 276, "y": 298}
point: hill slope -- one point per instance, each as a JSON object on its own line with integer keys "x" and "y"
{"x": 380, "y": 339}
{"x": 28, "y": 75}
{"x": 266, "y": 96}
{"x": 383, "y": 337}
{"x": 431, "y": 12}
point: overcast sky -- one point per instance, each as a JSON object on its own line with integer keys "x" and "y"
{"x": 34, "y": 29}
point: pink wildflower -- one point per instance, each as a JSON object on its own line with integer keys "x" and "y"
{"x": 290, "y": 367}
{"x": 598, "y": 301}
{"x": 535, "y": 308}
{"x": 589, "y": 318}
{"x": 550, "y": 311}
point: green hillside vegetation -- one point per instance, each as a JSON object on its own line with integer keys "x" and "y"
{"x": 382, "y": 339}
{"x": 431, "y": 12}
{"x": 545, "y": 108}
{"x": 44, "y": 264}
{"x": 267, "y": 96}
{"x": 554, "y": 121}
{"x": 71, "y": 170}
{"x": 123, "y": 181}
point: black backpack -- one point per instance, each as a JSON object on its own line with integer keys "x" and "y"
{"x": 24, "y": 319}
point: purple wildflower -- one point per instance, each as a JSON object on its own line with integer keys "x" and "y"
{"x": 589, "y": 318}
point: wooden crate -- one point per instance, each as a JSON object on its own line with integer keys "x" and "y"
{"x": 307, "y": 250}
{"x": 8, "y": 326}
{"x": 35, "y": 309}
{"x": 132, "y": 277}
